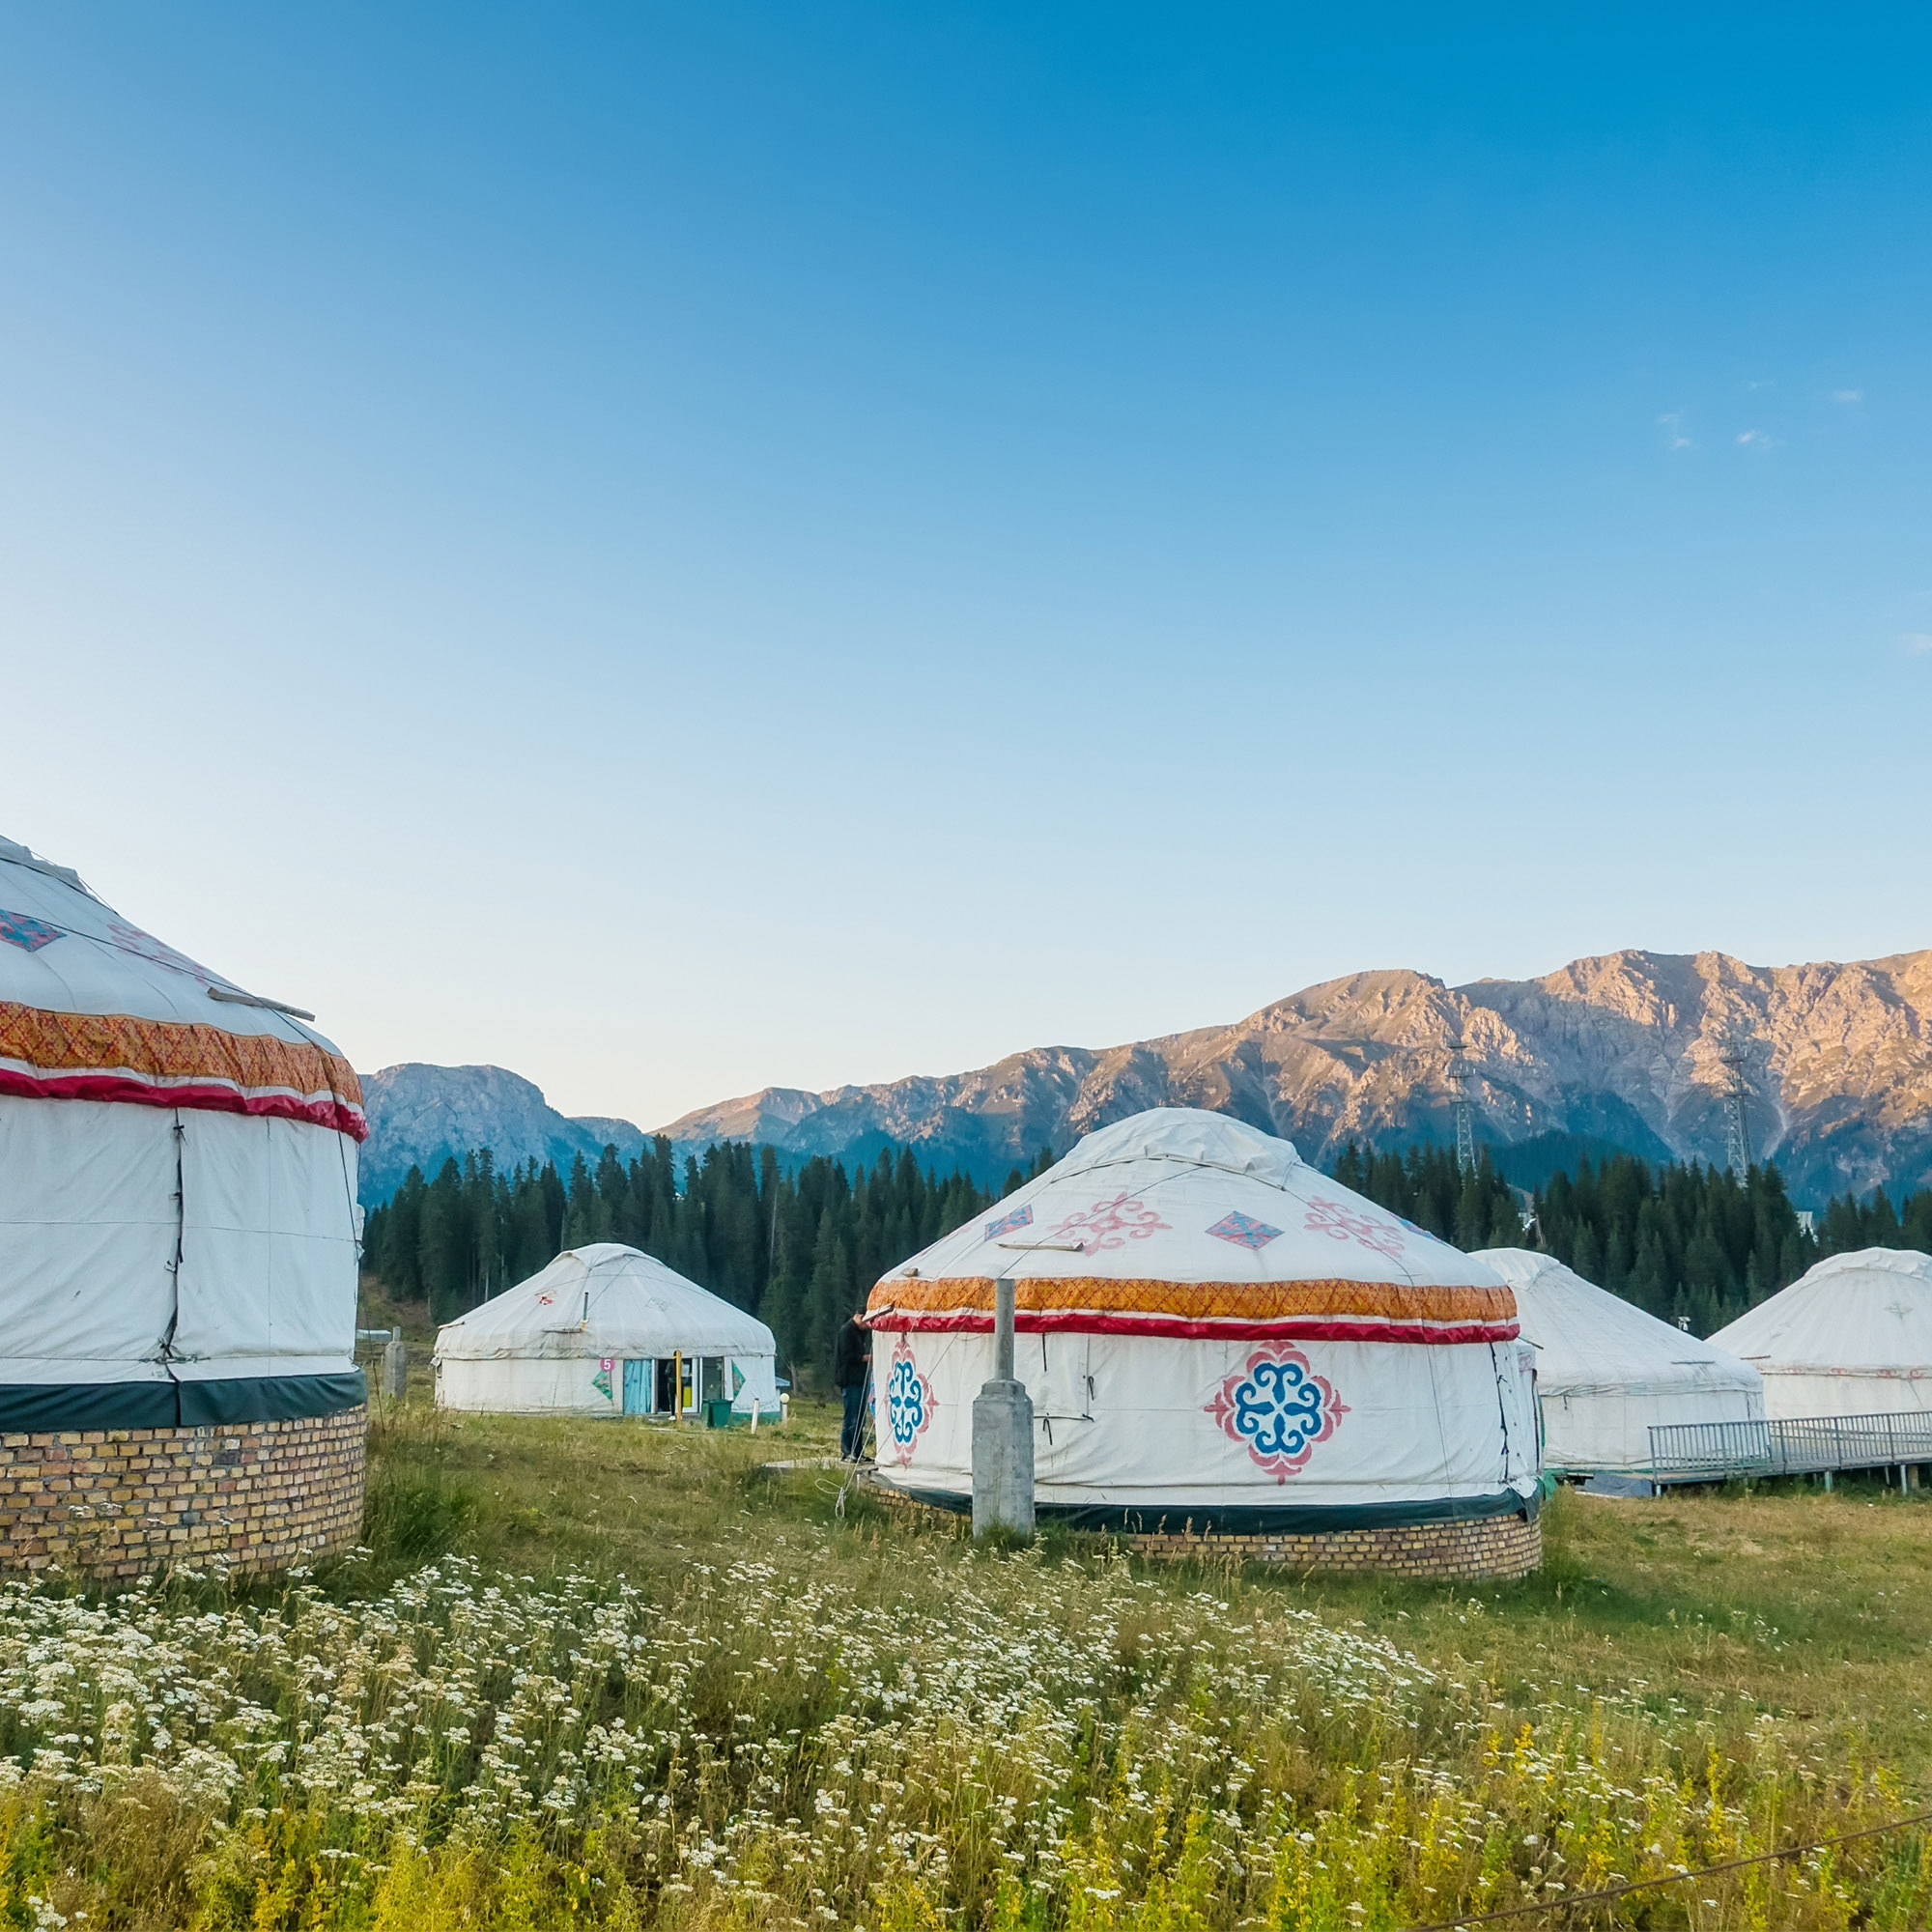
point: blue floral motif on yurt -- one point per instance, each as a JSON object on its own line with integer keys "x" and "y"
{"x": 1278, "y": 1408}
{"x": 1020, "y": 1217}
{"x": 909, "y": 1401}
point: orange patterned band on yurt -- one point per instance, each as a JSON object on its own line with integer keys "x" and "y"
{"x": 1238, "y": 1311}
{"x": 51, "y": 1056}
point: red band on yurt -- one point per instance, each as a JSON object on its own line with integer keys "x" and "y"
{"x": 51, "y": 1056}
{"x": 1318, "y": 1311}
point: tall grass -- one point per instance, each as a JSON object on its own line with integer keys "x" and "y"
{"x": 975, "y": 1741}
{"x": 613, "y": 1675}
{"x": 407, "y": 1520}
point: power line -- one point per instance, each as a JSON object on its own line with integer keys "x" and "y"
{"x": 1572, "y": 1900}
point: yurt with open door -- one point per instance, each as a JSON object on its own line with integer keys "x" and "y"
{"x": 1852, "y": 1336}
{"x": 608, "y": 1330}
{"x": 1606, "y": 1372}
{"x": 1222, "y": 1343}
{"x": 177, "y": 1252}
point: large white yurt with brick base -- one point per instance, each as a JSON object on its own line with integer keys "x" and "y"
{"x": 177, "y": 1247}
{"x": 1606, "y": 1373}
{"x": 1852, "y": 1336}
{"x": 1218, "y": 1340}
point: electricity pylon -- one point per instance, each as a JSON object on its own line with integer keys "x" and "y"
{"x": 1731, "y": 1047}
{"x": 1462, "y": 1107}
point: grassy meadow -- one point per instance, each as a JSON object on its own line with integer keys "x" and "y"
{"x": 620, "y": 1674}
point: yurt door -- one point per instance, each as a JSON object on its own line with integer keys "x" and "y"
{"x": 637, "y": 1388}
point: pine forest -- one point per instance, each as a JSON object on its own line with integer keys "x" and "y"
{"x": 801, "y": 1247}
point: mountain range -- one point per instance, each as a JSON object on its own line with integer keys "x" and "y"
{"x": 420, "y": 1115}
{"x": 1627, "y": 1050}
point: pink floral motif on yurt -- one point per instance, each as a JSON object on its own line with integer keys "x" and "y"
{"x": 1278, "y": 1408}
{"x": 909, "y": 1401}
{"x": 1342, "y": 1223}
{"x": 1111, "y": 1224}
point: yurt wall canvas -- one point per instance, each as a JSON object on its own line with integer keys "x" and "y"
{"x": 266, "y": 1247}
{"x": 607, "y": 1331}
{"x": 231, "y": 1235}
{"x": 1606, "y": 1373}
{"x": 1241, "y": 1433}
{"x": 676, "y": 1384}
{"x": 87, "y": 1238}
{"x": 1852, "y": 1336}
{"x": 1212, "y": 1331}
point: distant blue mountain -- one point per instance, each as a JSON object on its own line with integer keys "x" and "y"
{"x": 420, "y": 1116}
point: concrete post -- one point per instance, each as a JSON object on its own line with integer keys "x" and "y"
{"x": 395, "y": 1366}
{"x": 1003, "y": 1435}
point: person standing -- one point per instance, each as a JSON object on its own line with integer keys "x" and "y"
{"x": 851, "y": 1363}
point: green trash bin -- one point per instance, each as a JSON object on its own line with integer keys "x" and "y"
{"x": 717, "y": 1412}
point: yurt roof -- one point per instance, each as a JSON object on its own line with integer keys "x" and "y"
{"x": 93, "y": 1008}
{"x": 1590, "y": 1341}
{"x": 1184, "y": 1221}
{"x": 604, "y": 1299}
{"x": 1870, "y": 1309}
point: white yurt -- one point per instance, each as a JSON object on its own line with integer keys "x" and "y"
{"x": 1217, "y": 1340}
{"x": 1852, "y": 1336}
{"x": 1606, "y": 1371}
{"x": 178, "y": 1218}
{"x": 607, "y": 1331}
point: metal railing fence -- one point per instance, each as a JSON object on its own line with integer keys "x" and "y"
{"x": 1793, "y": 1446}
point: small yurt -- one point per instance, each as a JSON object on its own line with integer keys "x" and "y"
{"x": 1220, "y": 1342}
{"x": 1852, "y": 1336}
{"x": 1606, "y": 1371}
{"x": 607, "y": 1330}
{"x": 178, "y": 1251}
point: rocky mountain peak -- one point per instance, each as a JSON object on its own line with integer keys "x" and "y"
{"x": 1624, "y": 1048}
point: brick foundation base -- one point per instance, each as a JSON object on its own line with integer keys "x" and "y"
{"x": 122, "y": 1502}
{"x": 1491, "y": 1547}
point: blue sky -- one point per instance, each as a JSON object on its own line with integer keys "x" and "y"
{"x": 681, "y": 550}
